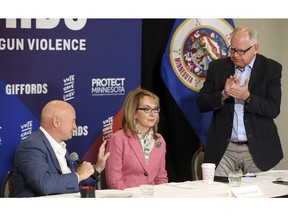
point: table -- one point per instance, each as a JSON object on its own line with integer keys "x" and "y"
{"x": 199, "y": 189}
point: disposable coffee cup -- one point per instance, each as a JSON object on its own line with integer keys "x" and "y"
{"x": 208, "y": 171}
{"x": 87, "y": 191}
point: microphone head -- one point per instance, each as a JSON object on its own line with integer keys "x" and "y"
{"x": 74, "y": 156}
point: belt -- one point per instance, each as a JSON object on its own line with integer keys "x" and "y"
{"x": 239, "y": 142}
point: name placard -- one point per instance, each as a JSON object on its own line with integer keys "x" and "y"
{"x": 247, "y": 191}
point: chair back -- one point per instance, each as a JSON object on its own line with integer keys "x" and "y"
{"x": 6, "y": 185}
{"x": 196, "y": 163}
{"x": 101, "y": 185}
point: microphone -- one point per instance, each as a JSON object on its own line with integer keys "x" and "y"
{"x": 75, "y": 158}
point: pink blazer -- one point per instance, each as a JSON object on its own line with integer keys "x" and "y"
{"x": 126, "y": 166}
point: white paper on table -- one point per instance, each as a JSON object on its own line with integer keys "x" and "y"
{"x": 247, "y": 191}
{"x": 114, "y": 194}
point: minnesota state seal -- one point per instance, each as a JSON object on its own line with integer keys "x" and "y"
{"x": 195, "y": 43}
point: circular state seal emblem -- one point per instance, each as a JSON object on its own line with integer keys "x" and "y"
{"x": 195, "y": 43}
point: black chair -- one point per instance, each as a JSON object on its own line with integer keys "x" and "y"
{"x": 6, "y": 185}
{"x": 196, "y": 163}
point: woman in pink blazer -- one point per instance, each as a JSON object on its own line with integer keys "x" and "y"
{"x": 137, "y": 151}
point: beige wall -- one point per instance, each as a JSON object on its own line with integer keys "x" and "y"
{"x": 272, "y": 40}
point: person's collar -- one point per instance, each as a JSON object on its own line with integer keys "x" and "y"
{"x": 252, "y": 63}
{"x": 149, "y": 133}
{"x": 55, "y": 145}
{"x": 249, "y": 65}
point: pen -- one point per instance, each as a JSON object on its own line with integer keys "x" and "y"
{"x": 249, "y": 175}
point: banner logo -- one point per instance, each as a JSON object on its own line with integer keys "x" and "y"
{"x": 107, "y": 128}
{"x": 69, "y": 88}
{"x": 26, "y": 129}
{"x": 81, "y": 131}
{"x": 194, "y": 45}
{"x": 28, "y": 89}
{"x": 72, "y": 24}
{"x": 108, "y": 86}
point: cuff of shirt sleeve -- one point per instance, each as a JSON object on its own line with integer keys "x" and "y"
{"x": 224, "y": 95}
{"x": 248, "y": 99}
{"x": 78, "y": 177}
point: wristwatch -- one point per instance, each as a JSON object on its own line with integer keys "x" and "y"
{"x": 96, "y": 174}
